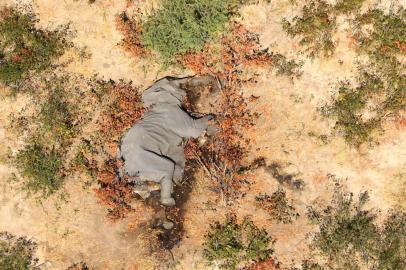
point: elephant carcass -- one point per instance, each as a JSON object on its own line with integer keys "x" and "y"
{"x": 152, "y": 149}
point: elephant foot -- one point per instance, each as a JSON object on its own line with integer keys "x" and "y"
{"x": 168, "y": 201}
{"x": 167, "y": 225}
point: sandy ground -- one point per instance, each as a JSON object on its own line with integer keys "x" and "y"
{"x": 78, "y": 230}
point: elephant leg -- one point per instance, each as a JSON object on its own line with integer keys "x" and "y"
{"x": 166, "y": 191}
{"x": 178, "y": 156}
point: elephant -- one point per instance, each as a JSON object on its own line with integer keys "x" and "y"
{"x": 152, "y": 150}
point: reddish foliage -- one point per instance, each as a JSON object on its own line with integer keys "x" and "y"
{"x": 114, "y": 192}
{"x": 238, "y": 49}
{"x": 131, "y": 31}
{"x": 401, "y": 46}
{"x": 224, "y": 156}
{"x": 268, "y": 264}
{"x": 124, "y": 108}
{"x": 400, "y": 121}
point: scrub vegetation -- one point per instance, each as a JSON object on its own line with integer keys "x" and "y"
{"x": 315, "y": 28}
{"x": 360, "y": 109}
{"x": 71, "y": 126}
{"x": 285, "y": 67}
{"x": 349, "y": 236}
{"x": 231, "y": 244}
{"x": 40, "y": 168}
{"x": 57, "y": 143}
{"x": 379, "y": 94}
{"x": 61, "y": 105}
{"x": 48, "y": 134}
{"x": 26, "y": 49}
{"x": 277, "y": 205}
{"x": 317, "y": 25}
{"x": 17, "y": 253}
{"x": 178, "y": 27}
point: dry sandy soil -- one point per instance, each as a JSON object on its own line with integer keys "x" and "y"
{"x": 78, "y": 230}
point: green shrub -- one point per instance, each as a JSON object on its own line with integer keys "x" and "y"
{"x": 182, "y": 26}
{"x": 360, "y": 111}
{"x": 349, "y": 107}
{"x": 388, "y": 34}
{"x": 277, "y": 206}
{"x": 25, "y": 48}
{"x": 230, "y": 244}
{"x": 55, "y": 117}
{"x": 349, "y": 236}
{"x": 346, "y": 231}
{"x": 317, "y": 25}
{"x": 40, "y": 168}
{"x": 17, "y": 253}
{"x": 315, "y": 28}
{"x": 393, "y": 242}
{"x": 348, "y": 6}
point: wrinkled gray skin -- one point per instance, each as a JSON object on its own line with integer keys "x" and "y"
{"x": 153, "y": 148}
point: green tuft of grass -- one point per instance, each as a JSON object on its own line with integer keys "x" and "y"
{"x": 182, "y": 26}
{"x": 230, "y": 243}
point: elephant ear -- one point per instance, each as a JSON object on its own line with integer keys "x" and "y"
{"x": 163, "y": 92}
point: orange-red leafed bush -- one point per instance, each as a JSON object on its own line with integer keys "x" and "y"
{"x": 131, "y": 30}
{"x": 124, "y": 110}
{"x": 224, "y": 156}
{"x": 121, "y": 107}
{"x": 114, "y": 192}
{"x": 268, "y": 264}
